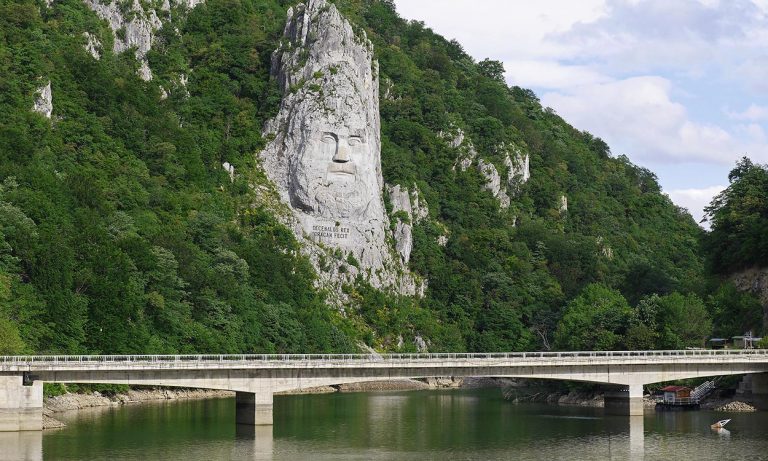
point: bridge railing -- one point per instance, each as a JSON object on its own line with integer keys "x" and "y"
{"x": 63, "y": 359}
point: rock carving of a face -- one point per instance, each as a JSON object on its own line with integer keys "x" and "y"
{"x": 336, "y": 172}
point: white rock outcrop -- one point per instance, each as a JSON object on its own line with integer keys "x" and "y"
{"x": 563, "y": 204}
{"x": 493, "y": 182}
{"x": 93, "y": 45}
{"x": 415, "y": 210}
{"x": 133, "y": 26}
{"x": 325, "y": 156}
{"x": 44, "y": 101}
{"x": 518, "y": 170}
{"x": 230, "y": 170}
{"x": 135, "y": 29}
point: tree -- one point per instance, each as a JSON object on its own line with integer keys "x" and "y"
{"x": 491, "y": 69}
{"x": 734, "y": 312}
{"x": 739, "y": 217}
{"x": 678, "y": 320}
{"x": 597, "y": 319}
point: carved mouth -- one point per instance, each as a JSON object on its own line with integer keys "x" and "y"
{"x": 342, "y": 169}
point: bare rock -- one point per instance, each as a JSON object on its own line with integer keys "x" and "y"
{"x": 415, "y": 209}
{"x": 325, "y": 156}
{"x": 133, "y": 30}
{"x": 393, "y": 385}
{"x": 52, "y": 423}
{"x": 44, "y": 101}
{"x": 736, "y": 406}
{"x": 133, "y": 26}
{"x": 518, "y": 169}
{"x": 93, "y": 45}
{"x": 449, "y": 382}
{"x": 309, "y": 390}
{"x": 493, "y": 182}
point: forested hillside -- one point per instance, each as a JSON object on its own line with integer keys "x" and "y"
{"x": 120, "y": 232}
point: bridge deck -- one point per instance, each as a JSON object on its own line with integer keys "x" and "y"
{"x": 278, "y": 361}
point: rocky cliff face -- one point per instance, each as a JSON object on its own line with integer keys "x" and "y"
{"x": 44, "y": 101}
{"x": 755, "y": 281}
{"x": 517, "y": 164}
{"x": 133, "y": 27}
{"x": 408, "y": 208}
{"x": 325, "y": 158}
{"x": 133, "y": 30}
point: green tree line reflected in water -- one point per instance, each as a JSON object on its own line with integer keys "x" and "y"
{"x": 466, "y": 424}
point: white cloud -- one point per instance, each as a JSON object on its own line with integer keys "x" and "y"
{"x": 752, "y": 113}
{"x": 501, "y": 29}
{"x": 651, "y": 77}
{"x": 754, "y": 72}
{"x": 695, "y": 200}
{"x": 550, "y": 74}
{"x": 638, "y": 117}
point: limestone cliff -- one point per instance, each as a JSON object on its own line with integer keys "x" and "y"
{"x": 408, "y": 208}
{"x": 133, "y": 27}
{"x": 44, "y": 101}
{"x": 517, "y": 164}
{"x": 325, "y": 155}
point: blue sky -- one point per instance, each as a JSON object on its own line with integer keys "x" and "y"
{"x": 679, "y": 86}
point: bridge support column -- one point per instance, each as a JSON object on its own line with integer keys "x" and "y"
{"x": 627, "y": 401}
{"x": 253, "y": 409}
{"x": 21, "y": 407}
{"x": 760, "y": 390}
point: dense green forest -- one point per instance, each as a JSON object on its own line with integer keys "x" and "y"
{"x": 121, "y": 233}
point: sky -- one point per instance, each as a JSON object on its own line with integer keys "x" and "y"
{"x": 678, "y": 86}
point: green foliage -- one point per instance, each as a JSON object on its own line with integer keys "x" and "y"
{"x": 597, "y": 319}
{"x": 674, "y": 321}
{"x": 739, "y": 217}
{"x": 734, "y": 312}
{"x": 120, "y": 232}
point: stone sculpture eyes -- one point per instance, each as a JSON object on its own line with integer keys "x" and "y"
{"x": 329, "y": 138}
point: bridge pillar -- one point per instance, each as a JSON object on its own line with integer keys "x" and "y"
{"x": 21, "y": 406}
{"x": 760, "y": 390}
{"x": 253, "y": 409}
{"x": 626, "y": 401}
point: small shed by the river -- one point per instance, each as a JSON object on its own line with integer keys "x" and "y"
{"x": 675, "y": 393}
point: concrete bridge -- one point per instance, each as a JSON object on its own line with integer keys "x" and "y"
{"x": 255, "y": 378}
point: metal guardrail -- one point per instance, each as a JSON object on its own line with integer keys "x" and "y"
{"x": 202, "y": 358}
{"x": 681, "y": 401}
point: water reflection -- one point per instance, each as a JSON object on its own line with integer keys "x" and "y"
{"x": 27, "y": 445}
{"x": 636, "y": 437}
{"x": 470, "y": 425}
{"x": 253, "y": 442}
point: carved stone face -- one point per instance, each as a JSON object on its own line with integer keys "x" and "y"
{"x": 335, "y": 174}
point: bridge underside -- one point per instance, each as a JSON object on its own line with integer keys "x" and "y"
{"x": 21, "y": 405}
{"x": 286, "y": 379}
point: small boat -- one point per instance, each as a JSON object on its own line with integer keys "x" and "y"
{"x": 720, "y": 424}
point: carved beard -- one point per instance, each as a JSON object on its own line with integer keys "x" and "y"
{"x": 334, "y": 200}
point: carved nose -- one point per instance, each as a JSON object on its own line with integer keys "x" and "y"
{"x": 341, "y": 155}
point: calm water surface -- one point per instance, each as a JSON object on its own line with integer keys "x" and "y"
{"x": 421, "y": 425}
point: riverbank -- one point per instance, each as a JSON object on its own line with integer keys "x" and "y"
{"x": 79, "y": 401}
{"x": 72, "y": 401}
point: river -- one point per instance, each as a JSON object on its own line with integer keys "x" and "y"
{"x": 417, "y": 425}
